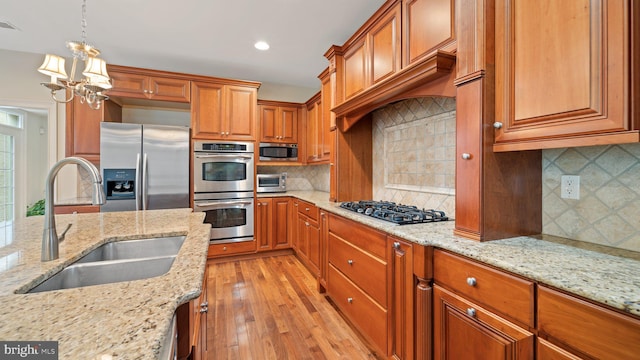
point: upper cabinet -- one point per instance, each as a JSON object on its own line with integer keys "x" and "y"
{"x": 223, "y": 112}
{"x": 278, "y": 121}
{"x": 375, "y": 56}
{"x": 148, "y": 84}
{"x": 427, "y": 26}
{"x": 566, "y": 73}
{"x": 318, "y": 139}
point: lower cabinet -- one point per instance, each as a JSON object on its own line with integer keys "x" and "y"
{"x": 571, "y": 328}
{"x": 402, "y": 300}
{"x": 272, "y": 223}
{"x": 308, "y": 236}
{"x": 233, "y": 248}
{"x": 76, "y": 209}
{"x": 192, "y": 325}
{"x": 465, "y": 330}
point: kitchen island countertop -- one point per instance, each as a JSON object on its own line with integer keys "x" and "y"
{"x": 125, "y": 320}
{"x": 605, "y": 275}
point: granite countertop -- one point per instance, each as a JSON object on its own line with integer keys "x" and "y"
{"x": 605, "y": 275}
{"x": 126, "y": 320}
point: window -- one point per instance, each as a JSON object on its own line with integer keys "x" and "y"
{"x": 10, "y": 134}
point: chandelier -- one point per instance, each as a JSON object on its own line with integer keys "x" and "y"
{"x": 96, "y": 81}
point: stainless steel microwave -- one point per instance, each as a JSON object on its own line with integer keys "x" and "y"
{"x": 271, "y": 183}
{"x": 278, "y": 152}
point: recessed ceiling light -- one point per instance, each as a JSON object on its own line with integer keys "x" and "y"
{"x": 261, "y": 45}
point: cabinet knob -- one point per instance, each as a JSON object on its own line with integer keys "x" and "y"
{"x": 471, "y": 312}
{"x": 150, "y": 91}
{"x": 306, "y": 223}
{"x": 350, "y": 300}
{"x": 350, "y": 262}
{"x": 497, "y": 125}
{"x": 307, "y": 209}
{"x": 204, "y": 310}
{"x": 466, "y": 156}
{"x": 204, "y": 304}
{"x": 224, "y": 248}
{"x": 145, "y": 91}
{"x": 396, "y": 245}
{"x": 471, "y": 281}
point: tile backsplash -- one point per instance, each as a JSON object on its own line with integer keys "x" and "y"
{"x": 608, "y": 211}
{"x": 414, "y": 147}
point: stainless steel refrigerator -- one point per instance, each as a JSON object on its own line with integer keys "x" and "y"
{"x": 144, "y": 167}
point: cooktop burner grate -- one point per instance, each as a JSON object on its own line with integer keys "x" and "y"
{"x": 395, "y": 213}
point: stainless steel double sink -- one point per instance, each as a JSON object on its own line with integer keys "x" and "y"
{"x": 115, "y": 262}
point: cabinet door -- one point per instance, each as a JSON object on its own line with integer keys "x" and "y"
{"x": 281, "y": 223}
{"x": 384, "y": 47}
{"x": 313, "y": 243}
{"x": 240, "y": 103}
{"x": 167, "y": 89}
{"x": 463, "y": 330}
{"x": 312, "y": 133}
{"x": 324, "y": 249}
{"x": 202, "y": 350}
{"x": 547, "y": 351}
{"x": 428, "y": 25}
{"x": 268, "y": 123}
{"x": 128, "y": 85}
{"x": 402, "y": 314}
{"x": 293, "y": 220}
{"x": 355, "y": 69}
{"x": 207, "y": 110}
{"x": 264, "y": 224}
{"x": 562, "y": 72}
{"x": 288, "y": 124}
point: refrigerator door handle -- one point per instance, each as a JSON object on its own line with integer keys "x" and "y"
{"x": 138, "y": 185}
{"x": 145, "y": 182}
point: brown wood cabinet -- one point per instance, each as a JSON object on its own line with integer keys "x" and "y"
{"x": 566, "y": 74}
{"x": 76, "y": 209}
{"x": 491, "y": 188}
{"x": 375, "y": 54}
{"x": 223, "y": 112}
{"x": 308, "y": 233}
{"x": 427, "y": 25}
{"x": 83, "y": 128}
{"x": 318, "y": 141}
{"x": 465, "y": 330}
{"x": 358, "y": 254}
{"x": 576, "y": 328}
{"x": 480, "y": 311}
{"x": 273, "y": 223}
{"x": 146, "y": 84}
{"x": 278, "y": 121}
{"x": 324, "y": 250}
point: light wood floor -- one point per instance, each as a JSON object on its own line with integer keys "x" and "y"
{"x": 268, "y": 308}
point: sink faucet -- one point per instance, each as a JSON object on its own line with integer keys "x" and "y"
{"x": 50, "y": 240}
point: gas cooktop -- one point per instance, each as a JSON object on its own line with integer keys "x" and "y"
{"x": 395, "y": 213}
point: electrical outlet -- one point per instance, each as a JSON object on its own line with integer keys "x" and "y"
{"x": 570, "y": 187}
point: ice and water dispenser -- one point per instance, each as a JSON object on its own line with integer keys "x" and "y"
{"x": 119, "y": 184}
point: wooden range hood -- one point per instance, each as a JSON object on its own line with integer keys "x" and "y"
{"x": 431, "y": 76}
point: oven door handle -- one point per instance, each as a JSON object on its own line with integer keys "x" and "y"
{"x": 217, "y": 205}
{"x": 223, "y": 156}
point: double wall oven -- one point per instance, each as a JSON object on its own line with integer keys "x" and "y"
{"x": 223, "y": 183}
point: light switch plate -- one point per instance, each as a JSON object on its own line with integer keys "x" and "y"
{"x": 570, "y": 187}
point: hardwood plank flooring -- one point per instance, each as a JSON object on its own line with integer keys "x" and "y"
{"x": 269, "y": 308}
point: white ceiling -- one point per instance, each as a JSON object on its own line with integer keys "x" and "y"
{"x": 208, "y": 37}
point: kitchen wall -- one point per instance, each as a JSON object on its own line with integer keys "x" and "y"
{"x": 608, "y": 211}
{"x": 305, "y": 178}
{"x": 414, "y": 153}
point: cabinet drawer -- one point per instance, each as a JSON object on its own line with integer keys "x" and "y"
{"x": 366, "y": 271}
{"x": 590, "y": 329}
{"x": 228, "y": 249}
{"x": 308, "y": 209}
{"x": 364, "y": 313}
{"x": 361, "y": 236}
{"x": 507, "y": 294}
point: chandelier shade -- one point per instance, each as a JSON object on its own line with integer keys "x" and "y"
{"x": 53, "y": 66}
{"x": 96, "y": 69}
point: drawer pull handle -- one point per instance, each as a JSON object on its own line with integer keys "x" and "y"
{"x": 350, "y": 262}
{"x": 471, "y": 312}
{"x": 396, "y": 245}
{"x": 350, "y": 300}
{"x": 471, "y": 281}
